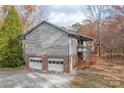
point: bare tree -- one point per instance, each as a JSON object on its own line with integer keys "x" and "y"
{"x": 3, "y": 12}
{"x": 76, "y": 27}
{"x": 97, "y": 13}
{"x": 119, "y": 17}
{"x": 31, "y": 15}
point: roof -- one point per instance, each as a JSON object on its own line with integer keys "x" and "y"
{"x": 77, "y": 35}
{"x": 83, "y": 37}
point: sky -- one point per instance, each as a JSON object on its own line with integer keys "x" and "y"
{"x": 65, "y": 15}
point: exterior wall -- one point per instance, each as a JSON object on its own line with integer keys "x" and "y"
{"x": 72, "y": 52}
{"x": 74, "y": 46}
{"x": 88, "y": 49}
{"x": 66, "y": 64}
{"x": 48, "y": 40}
{"x": 26, "y": 59}
{"x": 45, "y": 63}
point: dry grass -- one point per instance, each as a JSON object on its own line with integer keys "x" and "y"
{"x": 13, "y": 69}
{"x": 108, "y": 73}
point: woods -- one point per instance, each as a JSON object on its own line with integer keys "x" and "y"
{"x": 105, "y": 24}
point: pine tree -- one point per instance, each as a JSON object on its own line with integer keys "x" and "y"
{"x": 11, "y": 55}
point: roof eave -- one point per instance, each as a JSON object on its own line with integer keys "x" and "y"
{"x": 87, "y": 38}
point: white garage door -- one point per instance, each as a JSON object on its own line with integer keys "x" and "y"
{"x": 35, "y": 63}
{"x": 56, "y": 64}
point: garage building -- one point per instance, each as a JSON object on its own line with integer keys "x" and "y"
{"x": 48, "y": 47}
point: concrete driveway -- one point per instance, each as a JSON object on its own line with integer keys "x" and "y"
{"x": 34, "y": 79}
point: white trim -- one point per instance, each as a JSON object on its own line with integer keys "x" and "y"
{"x": 55, "y": 59}
{"x": 35, "y": 65}
{"x": 70, "y": 53}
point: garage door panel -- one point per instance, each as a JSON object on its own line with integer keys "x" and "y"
{"x": 35, "y": 63}
{"x": 53, "y": 67}
{"x": 55, "y": 64}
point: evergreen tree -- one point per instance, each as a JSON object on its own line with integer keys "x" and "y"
{"x": 10, "y": 51}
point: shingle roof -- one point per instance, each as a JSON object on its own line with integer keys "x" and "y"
{"x": 87, "y": 38}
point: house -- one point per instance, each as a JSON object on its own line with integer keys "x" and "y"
{"x": 48, "y": 47}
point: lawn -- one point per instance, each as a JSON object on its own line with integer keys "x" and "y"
{"x": 108, "y": 73}
{"x": 11, "y": 69}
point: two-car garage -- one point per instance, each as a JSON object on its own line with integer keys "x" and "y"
{"x": 54, "y": 64}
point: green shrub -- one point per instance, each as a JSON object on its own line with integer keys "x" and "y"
{"x": 10, "y": 49}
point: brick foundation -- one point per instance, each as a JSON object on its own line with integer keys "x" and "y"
{"x": 66, "y": 64}
{"x": 45, "y": 63}
{"x": 76, "y": 60}
{"x": 26, "y": 59}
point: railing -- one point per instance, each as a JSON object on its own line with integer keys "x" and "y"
{"x": 93, "y": 59}
{"x": 80, "y": 48}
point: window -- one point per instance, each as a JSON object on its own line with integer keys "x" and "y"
{"x": 38, "y": 61}
{"x": 35, "y": 60}
{"x": 53, "y": 62}
{"x": 41, "y": 61}
{"x": 57, "y": 62}
{"x": 61, "y": 62}
{"x": 50, "y": 62}
{"x": 31, "y": 60}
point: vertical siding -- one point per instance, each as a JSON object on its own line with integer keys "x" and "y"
{"x": 48, "y": 40}
{"x": 72, "y": 51}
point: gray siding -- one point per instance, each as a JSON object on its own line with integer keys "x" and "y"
{"x": 73, "y": 50}
{"x": 74, "y": 45}
{"x": 47, "y": 40}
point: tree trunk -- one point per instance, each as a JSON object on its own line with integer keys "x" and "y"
{"x": 111, "y": 53}
{"x": 99, "y": 32}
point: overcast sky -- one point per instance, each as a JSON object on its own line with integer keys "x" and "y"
{"x": 65, "y": 15}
